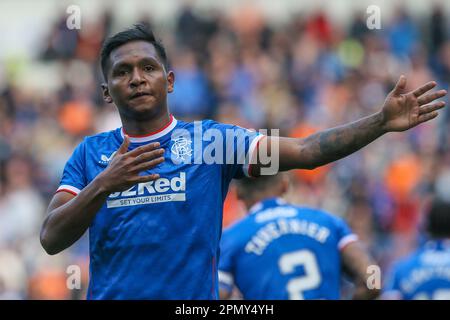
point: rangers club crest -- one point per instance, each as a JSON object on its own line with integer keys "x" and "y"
{"x": 181, "y": 148}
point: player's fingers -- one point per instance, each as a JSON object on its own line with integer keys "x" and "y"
{"x": 428, "y": 116}
{"x": 431, "y": 107}
{"x": 124, "y": 146}
{"x": 142, "y": 149}
{"x": 148, "y": 165}
{"x": 400, "y": 86}
{"x": 431, "y": 97}
{"x": 426, "y": 87}
{"x": 146, "y": 156}
{"x": 147, "y": 178}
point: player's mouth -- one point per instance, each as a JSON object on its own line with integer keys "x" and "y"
{"x": 139, "y": 95}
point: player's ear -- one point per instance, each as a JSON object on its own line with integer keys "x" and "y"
{"x": 170, "y": 81}
{"x": 106, "y": 96}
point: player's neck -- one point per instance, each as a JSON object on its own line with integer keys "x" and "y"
{"x": 134, "y": 127}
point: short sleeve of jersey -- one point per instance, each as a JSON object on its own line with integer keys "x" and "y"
{"x": 344, "y": 233}
{"x": 74, "y": 178}
{"x": 226, "y": 261}
{"x": 239, "y": 147}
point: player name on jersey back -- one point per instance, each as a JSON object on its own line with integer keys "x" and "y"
{"x": 276, "y": 229}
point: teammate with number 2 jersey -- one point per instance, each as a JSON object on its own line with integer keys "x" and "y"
{"x": 282, "y": 251}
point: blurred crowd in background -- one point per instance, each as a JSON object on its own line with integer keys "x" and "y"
{"x": 306, "y": 75}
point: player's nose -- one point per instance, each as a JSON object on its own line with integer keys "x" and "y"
{"x": 137, "y": 78}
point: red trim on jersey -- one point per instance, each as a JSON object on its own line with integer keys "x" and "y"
{"x": 152, "y": 133}
{"x": 347, "y": 243}
{"x": 66, "y": 190}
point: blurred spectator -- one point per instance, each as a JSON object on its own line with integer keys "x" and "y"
{"x": 191, "y": 97}
{"x": 13, "y": 278}
{"x": 403, "y": 34}
{"x": 438, "y": 24}
{"x": 21, "y": 207}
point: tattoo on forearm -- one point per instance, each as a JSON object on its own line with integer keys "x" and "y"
{"x": 336, "y": 143}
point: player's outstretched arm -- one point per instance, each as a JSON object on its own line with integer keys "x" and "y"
{"x": 356, "y": 261}
{"x": 69, "y": 216}
{"x": 401, "y": 111}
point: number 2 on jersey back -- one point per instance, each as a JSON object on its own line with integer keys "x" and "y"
{"x": 310, "y": 280}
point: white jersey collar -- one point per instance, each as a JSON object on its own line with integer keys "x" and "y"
{"x": 154, "y": 135}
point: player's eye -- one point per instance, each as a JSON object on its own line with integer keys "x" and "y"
{"x": 122, "y": 73}
{"x": 149, "y": 68}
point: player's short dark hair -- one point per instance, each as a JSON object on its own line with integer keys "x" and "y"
{"x": 438, "y": 219}
{"x": 247, "y": 187}
{"x": 140, "y": 31}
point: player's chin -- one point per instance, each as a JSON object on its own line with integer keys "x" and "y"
{"x": 142, "y": 109}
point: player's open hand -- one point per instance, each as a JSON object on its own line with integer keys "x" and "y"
{"x": 124, "y": 169}
{"x": 404, "y": 110}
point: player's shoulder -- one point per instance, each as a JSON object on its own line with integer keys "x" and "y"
{"x": 203, "y": 122}
{"x": 198, "y": 124}
{"x": 406, "y": 263}
{"x": 101, "y": 138}
{"x": 239, "y": 227}
{"x": 239, "y": 224}
{"x": 310, "y": 210}
{"x": 212, "y": 128}
{"x": 319, "y": 215}
{"x": 213, "y": 124}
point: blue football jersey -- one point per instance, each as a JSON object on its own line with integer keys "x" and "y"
{"x": 424, "y": 275}
{"x": 160, "y": 239}
{"x": 282, "y": 251}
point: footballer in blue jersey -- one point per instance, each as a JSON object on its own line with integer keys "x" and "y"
{"x": 283, "y": 251}
{"x": 178, "y": 214}
{"x": 151, "y": 192}
{"x": 425, "y": 274}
